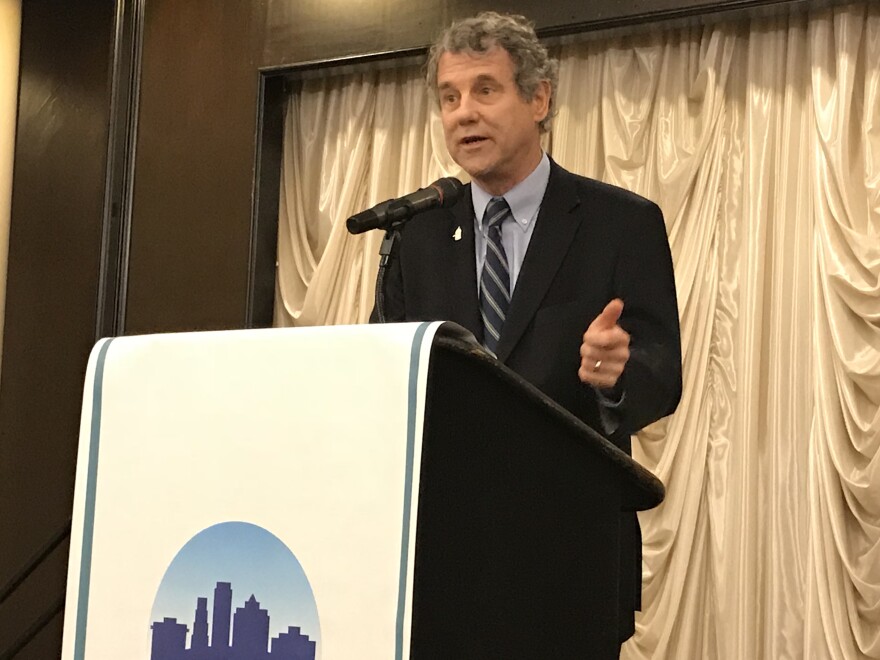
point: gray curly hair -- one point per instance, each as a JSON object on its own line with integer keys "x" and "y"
{"x": 513, "y": 33}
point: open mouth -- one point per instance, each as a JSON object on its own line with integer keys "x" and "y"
{"x": 473, "y": 139}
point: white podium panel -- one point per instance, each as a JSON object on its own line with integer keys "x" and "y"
{"x": 248, "y": 494}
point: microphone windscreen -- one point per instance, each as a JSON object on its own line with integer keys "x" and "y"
{"x": 450, "y": 190}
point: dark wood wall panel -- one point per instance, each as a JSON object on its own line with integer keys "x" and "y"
{"x": 54, "y": 257}
{"x": 303, "y": 31}
{"x": 194, "y": 168}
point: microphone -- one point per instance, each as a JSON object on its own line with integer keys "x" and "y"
{"x": 443, "y": 193}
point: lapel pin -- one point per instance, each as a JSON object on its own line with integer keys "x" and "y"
{"x": 457, "y": 234}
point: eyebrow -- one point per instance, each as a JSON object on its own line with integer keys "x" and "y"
{"x": 484, "y": 78}
{"x": 479, "y": 80}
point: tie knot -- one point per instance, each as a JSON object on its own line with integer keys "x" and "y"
{"x": 496, "y": 211}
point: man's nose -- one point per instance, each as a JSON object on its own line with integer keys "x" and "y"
{"x": 467, "y": 111}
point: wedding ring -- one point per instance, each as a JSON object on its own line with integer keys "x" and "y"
{"x": 597, "y": 365}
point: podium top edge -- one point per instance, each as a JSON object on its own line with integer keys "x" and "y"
{"x": 644, "y": 491}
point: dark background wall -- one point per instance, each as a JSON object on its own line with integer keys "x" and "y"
{"x": 55, "y": 246}
{"x": 145, "y": 200}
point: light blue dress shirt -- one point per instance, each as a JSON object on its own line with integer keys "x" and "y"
{"x": 524, "y": 200}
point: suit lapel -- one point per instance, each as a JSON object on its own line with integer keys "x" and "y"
{"x": 462, "y": 284}
{"x": 557, "y": 224}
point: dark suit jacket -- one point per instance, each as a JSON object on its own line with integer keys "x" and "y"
{"x": 592, "y": 242}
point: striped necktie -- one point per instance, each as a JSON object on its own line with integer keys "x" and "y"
{"x": 495, "y": 278}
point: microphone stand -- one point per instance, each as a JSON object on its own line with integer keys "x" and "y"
{"x": 391, "y": 215}
{"x": 387, "y": 253}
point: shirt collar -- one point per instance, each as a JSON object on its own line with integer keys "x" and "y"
{"x": 524, "y": 198}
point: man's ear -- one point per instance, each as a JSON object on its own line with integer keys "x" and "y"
{"x": 541, "y": 100}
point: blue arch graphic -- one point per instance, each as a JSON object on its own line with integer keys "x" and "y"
{"x": 234, "y": 590}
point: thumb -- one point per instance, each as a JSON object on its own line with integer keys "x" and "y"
{"x": 610, "y": 315}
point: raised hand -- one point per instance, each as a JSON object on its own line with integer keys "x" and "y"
{"x": 605, "y": 348}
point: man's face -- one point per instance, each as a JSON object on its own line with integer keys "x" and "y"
{"x": 491, "y": 131}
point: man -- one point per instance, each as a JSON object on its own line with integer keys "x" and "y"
{"x": 567, "y": 280}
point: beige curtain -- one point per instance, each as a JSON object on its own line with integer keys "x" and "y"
{"x": 761, "y": 142}
{"x": 350, "y": 142}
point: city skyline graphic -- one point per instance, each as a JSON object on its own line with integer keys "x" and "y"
{"x": 242, "y": 565}
{"x": 246, "y": 639}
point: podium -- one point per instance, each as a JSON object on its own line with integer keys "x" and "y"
{"x": 348, "y": 492}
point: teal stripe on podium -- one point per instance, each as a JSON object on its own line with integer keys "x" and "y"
{"x": 412, "y": 402}
{"x": 85, "y": 566}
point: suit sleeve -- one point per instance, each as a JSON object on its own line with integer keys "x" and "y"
{"x": 644, "y": 280}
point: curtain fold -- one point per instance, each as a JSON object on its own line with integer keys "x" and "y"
{"x": 350, "y": 143}
{"x": 760, "y": 140}
{"x": 844, "y": 571}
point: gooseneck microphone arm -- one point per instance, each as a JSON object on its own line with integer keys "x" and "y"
{"x": 387, "y": 251}
{"x": 391, "y": 215}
